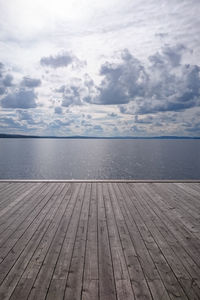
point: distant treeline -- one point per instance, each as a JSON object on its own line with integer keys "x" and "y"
{"x": 19, "y": 136}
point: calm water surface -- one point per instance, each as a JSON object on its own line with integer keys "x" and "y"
{"x": 99, "y": 159}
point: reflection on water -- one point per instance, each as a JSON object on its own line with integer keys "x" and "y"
{"x": 99, "y": 159}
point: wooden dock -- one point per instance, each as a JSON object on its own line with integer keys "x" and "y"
{"x": 99, "y": 240}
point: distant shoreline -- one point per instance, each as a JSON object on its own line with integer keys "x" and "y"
{"x": 18, "y": 136}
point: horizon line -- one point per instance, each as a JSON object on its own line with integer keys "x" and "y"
{"x": 8, "y": 135}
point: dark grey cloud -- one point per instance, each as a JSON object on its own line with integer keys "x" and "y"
{"x": 24, "y": 115}
{"x": 61, "y": 89}
{"x": 86, "y": 123}
{"x": 2, "y": 90}
{"x": 193, "y": 129}
{"x": 58, "y": 110}
{"x": 97, "y": 128}
{"x": 88, "y": 116}
{"x": 27, "y": 117}
{"x": 20, "y": 99}
{"x": 173, "y": 54}
{"x": 21, "y": 120}
{"x": 30, "y": 82}
{"x": 58, "y": 61}
{"x": 30, "y": 119}
{"x": 74, "y": 92}
{"x": 10, "y": 122}
{"x": 162, "y": 35}
{"x": 1, "y": 69}
{"x": 122, "y": 81}
{"x": 149, "y": 108}
{"x": 137, "y": 129}
{"x": 20, "y": 95}
{"x": 169, "y": 55}
{"x": 58, "y": 123}
{"x": 162, "y": 120}
{"x": 72, "y": 95}
{"x": 173, "y": 92}
{"x": 146, "y": 120}
{"x": 7, "y": 80}
{"x": 165, "y": 84}
{"x": 192, "y": 125}
{"x": 112, "y": 115}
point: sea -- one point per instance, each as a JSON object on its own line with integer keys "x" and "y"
{"x": 99, "y": 158}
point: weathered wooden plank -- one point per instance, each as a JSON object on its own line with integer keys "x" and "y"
{"x": 137, "y": 278}
{"x": 13, "y": 213}
{"x": 152, "y": 275}
{"x": 120, "y": 269}
{"x": 12, "y": 190}
{"x": 75, "y": 276}
{"x": 37, "y": 276}
{"x": 17, "y": 215}
{"x": 174, "y": 193}
{"x": 91, "y": 270}
{"x": 155, "y": 246}
{"x": 181, "y": 208}
{"x": 195, "y": 186}
{"x": 17, "y": 199}
{"x": 10, "y": 196}
{"x": 190, "y": 191}
{"x": 154, "y": 224}
{"x": 185, "y": 237}
{"x": 171, "y": 238}
{"x": 107, "y": 287}
{"x": 21, "y": 253}
{"x": 58, "y": 282}
{"x": 4, "y": 186}
{"x": 99, "y": 240}
{"x": 7, "y": 200}
{"x": 21, "y": 227}
{"x": 12, "y": 187}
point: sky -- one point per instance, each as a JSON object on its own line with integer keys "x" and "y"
{"x": 100, "y": 68}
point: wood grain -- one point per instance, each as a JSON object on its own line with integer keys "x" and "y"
{"x": 106, "y": 240}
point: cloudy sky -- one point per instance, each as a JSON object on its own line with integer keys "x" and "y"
{"x": 103, "y": 68}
